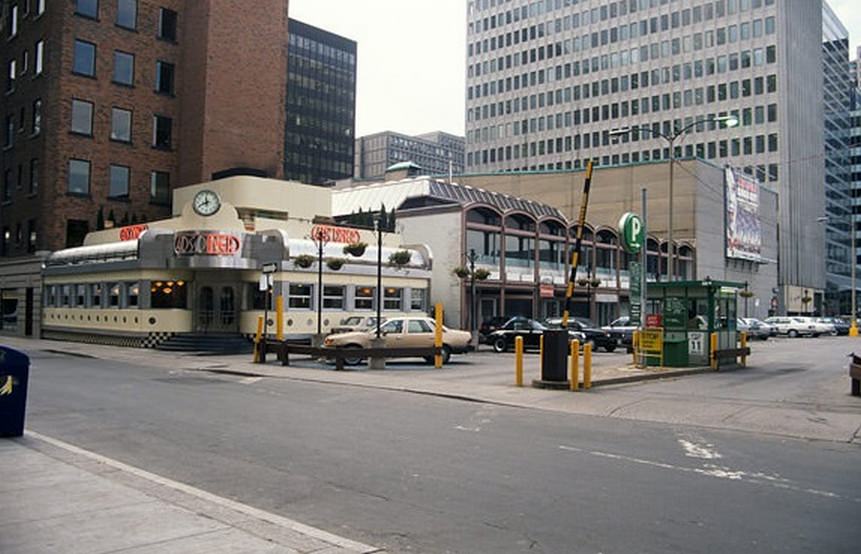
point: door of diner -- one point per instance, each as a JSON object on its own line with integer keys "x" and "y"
{"x": 216, "y": 308}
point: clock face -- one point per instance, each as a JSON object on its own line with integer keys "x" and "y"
{"x": 206, "y": 202}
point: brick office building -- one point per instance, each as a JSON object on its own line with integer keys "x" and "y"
{"x": 108, "y": 105}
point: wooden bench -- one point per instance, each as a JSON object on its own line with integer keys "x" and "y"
{"x": 855, "y": 375}
{"x": 283, "y": 349}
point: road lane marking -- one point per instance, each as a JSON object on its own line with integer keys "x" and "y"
{"x": 257, "y": 513}
{"x": 702, "y": 450}
{"x": 250, "y": 380}
{"x": 715, "y": 471}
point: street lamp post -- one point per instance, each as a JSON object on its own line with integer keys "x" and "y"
{"x": 471, "y": 258}
{"x": 320, "y": 238}
{"x": 853, "y": 326}
{"x": 378, "y": 229}
{"x": 671, "y": 138}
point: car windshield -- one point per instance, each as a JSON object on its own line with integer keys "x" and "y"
{"x": 355, "y": 320}
{"x": 584, "y": 322}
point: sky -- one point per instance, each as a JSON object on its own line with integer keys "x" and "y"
{"x": 411, "y": 58}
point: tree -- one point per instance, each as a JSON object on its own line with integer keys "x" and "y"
{"x": 100, "y": 219}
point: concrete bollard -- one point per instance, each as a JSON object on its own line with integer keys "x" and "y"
{"x": 437, "y": 336}
{"x": 587, "y": 366}
{"x": 256, "y": 358}
{"x": 541, "y": 353}
{"x": 574, "y": 379}
{"x": 635, "y": 343}
{"x": 518, "y": 361}
{"x": 279, "y": 317}
{"x": 713, "y": 346}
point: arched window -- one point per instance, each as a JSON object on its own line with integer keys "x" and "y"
{"x": 484, "y": 216}
{"x": 520, "y": 222}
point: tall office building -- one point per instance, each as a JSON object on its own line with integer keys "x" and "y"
{"x": 110, "y": 104}
{"x": 855, "y": 153}
{"x": 321, "y": 105}
{"x": 435, "y": 153}
{"x": 548, "y": 80}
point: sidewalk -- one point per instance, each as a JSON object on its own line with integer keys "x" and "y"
{"x": 57, "y": 498}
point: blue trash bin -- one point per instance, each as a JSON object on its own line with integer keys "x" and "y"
{"x": 14, "y": 373}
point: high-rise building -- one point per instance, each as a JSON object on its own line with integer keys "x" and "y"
{"x": 321, "y": 105}
{"x": 547, "y": 82}
{"x": 109, "y": 105}
{"x": 435, "y": 153}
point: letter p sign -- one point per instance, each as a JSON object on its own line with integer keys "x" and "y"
{"x": 631, "y": 231}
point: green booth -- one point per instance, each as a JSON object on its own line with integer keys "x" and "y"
{"x": 689, "y": 312}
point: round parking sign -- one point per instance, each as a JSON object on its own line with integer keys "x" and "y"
{"x": 631, "y": 231}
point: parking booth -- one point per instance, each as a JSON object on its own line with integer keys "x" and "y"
{"x": 689, "y": 312}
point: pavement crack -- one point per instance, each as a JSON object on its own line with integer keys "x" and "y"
{"x": 615, "y": 410}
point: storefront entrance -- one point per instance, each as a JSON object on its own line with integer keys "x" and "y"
{"x": 216, "y": 308}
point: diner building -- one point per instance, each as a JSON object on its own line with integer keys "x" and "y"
{"x": 200, "y": 271}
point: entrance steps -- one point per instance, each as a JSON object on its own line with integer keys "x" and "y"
{"x": 209, "y": 343}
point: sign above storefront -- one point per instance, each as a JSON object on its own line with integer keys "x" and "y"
{"x": 330, "y": 233}
{"x": 546, "y": 290}
{"x": 132, "y": 232}
{"x": 206, "y": 243}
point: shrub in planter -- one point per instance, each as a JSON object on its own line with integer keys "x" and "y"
{"x": 481, "y": 274}
{"x": 335, "y": 263}
{"x": 304, "y": 260}
{"x": 356, "y": 249}
{"x": 461, "y": 272}
{"x": 400, "y": 258}
{"x": 746, "y": 294}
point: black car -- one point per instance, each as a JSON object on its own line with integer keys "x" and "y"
{"x": 531, "y": 331}
{"x": 841, "y": 326}
{"x": 490, "y": 325}
{"x": 597, "y": 336}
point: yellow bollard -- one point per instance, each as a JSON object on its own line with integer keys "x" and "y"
{"x": 437, "y": 336}
{"x": 518, "y": 361}
{"x": 587, "y": 366}
{"x": 744, "y": 345}
{"x": 853, "y": 329}
{"x": 541, "y": 354}
{"x": 279, "y": 317}
{"x": 713, "y": 345}
{"x": 575, "y": 365}
{"x": 257, "y": 339}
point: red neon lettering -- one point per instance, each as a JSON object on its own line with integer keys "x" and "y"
{"x": 132, "y": 232}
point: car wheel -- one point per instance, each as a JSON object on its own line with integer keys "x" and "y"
{"x": 353, "y": 360}
{"x": 500, "y": 345}
{"x": 792, "y": 333}
{"x": 610, "y": 347}
{"x": 446, "y": 354}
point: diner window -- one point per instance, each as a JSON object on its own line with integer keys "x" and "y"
{"x": 364, "y": 299}
{"x": 114, "y": 295}
{"x": 164, "y": 77}
{"x": 80, "y": 296}
{"x": 393, "y": 298}
{"x": 118, "y": 181}
{"x": 96, "y": 295}
{"x": 256, "y": 297}
{"x": 169, "y": 295}
{"x": 66, "y": 295}
{"x": 84, "y": 58}
{"x": 333, "y": 297}
{"x": 49, "y": 296}
{"x": 127, "y": 13}
{"x": 299, "y": 296}
{"x": 124, "y": 68}
{"x": 417, "y": 299}
{"x": 121, "y": 125}
{"x": 167, "y": 24}
{"x": 133, "y": 291}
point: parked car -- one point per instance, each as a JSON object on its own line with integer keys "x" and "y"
{"x": 819, "y": 327}
{"x": 792, "y": 326}
{"x": 531, "y": 331}
{"x": 753, "y": 328}
{"x": 621, "y": 330}
{"x": 841, "y": 327}
{"x": 356, "y": 323}
{"x": 771, "y": 329}
{"x": 404, "y": 332}
{"x": 490, "y": 325}
{"x": 597, "y": 336}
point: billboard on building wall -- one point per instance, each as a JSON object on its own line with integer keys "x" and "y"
{"x": 743, "y": 227}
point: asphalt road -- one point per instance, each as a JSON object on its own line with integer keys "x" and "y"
{"x": 416, "y": 473}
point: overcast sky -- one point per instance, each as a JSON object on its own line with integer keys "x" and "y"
{"x": 411, "y": 57}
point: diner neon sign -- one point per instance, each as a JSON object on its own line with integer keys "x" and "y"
{"x": 132, "y": 232}
{"x": 201, "y": 243}
{"x": 329, "y": 233}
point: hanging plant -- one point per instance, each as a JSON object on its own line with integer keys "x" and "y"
{"x": 582, "y": 281}
{"x": 806, "y": 299}
{"x": 595, "y": 282}
{"x": 304, "y": 260}
{"x": 481, "y": 274}
{"x": 335, "y": 263}
{"x": 461, "y": 272}
{"x": 356, "y": 249}
{"x": 400, "y": 258}
{"x": 745, "y": 294}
